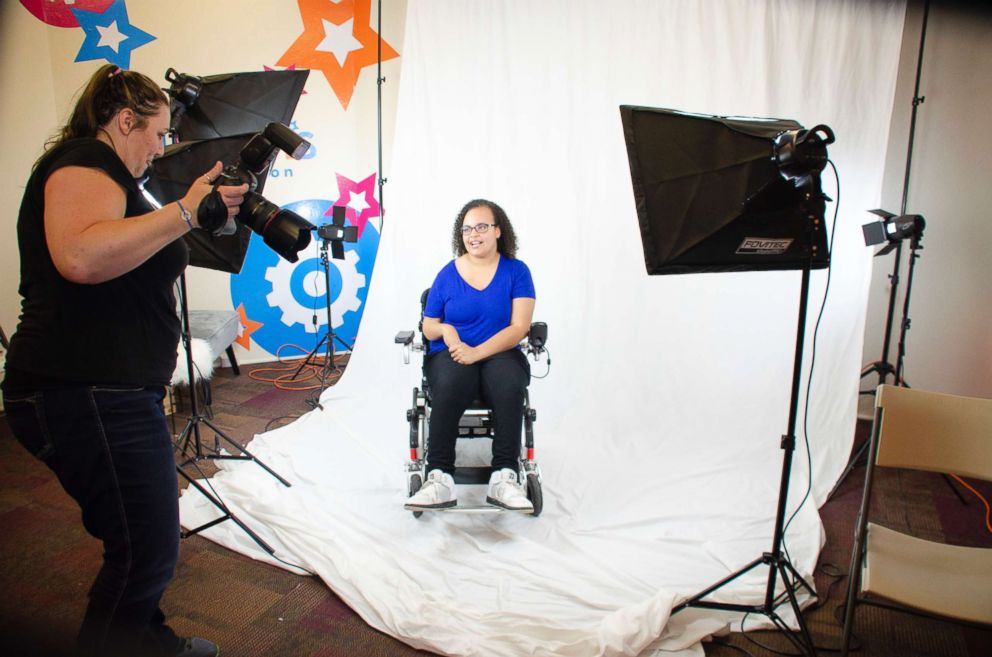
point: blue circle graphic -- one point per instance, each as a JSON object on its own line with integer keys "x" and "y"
{"x": 286, "y": 297}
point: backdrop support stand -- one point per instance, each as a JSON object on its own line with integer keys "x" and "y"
{"x": 191, "y": 433}
{"x": 883, "y": 367}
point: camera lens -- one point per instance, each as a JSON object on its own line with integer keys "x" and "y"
{"x": 285, "y": 232}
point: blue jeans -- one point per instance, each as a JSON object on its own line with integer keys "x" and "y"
{"x": 500, "y": 380}
{"x": 111, "y": 450}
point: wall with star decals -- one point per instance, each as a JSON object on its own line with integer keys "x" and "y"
{"x": 50, "y": 48}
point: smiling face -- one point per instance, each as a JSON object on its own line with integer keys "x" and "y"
{"x": 480, "y": 245}
{"x": 142, "y": 140}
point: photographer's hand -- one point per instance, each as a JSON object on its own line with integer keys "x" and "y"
{"x": 232, "y": 196}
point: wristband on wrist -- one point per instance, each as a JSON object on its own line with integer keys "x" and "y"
{"x": 185, "y": 214}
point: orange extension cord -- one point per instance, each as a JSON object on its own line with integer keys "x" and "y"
{"x": 988, "y": 511}
{"x": 282, "y": 376}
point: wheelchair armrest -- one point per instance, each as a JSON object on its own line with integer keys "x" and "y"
{"x": 405, "y": 338}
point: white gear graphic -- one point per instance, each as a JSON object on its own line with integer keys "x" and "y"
{"x": 293, "y": 312}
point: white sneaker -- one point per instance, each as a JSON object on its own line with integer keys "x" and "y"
{"x": 438, "y": 492}
{"x": 504, "y": 491}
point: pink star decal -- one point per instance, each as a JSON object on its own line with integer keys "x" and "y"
{"x": 359, "y": 199}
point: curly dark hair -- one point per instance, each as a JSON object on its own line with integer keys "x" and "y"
{"x": 507, "y": 242}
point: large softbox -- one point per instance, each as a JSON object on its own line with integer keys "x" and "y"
{"x": 235, "y": 103}
{"x": 711, "y": 194}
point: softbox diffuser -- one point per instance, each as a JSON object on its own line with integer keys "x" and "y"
{"x": 711, "y": 197}
{"x": 235, "y": 103}
{"x": 174, "y": 172}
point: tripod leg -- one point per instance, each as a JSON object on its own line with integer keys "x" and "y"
{"x": 217, "y": 502}
{"x": 794, "y": 602}
{"x": 182, "y": 440}
{"x": 306, "y": 361}
{"x": 244, "y": 451}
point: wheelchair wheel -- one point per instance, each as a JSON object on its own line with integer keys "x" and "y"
{"x": 415, "y": 483}
{"x": 534, "y": 493}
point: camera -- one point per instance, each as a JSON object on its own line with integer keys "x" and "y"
{"x": 285, "y": 232}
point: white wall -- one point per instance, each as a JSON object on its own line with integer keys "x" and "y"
{"x": 27, "y": 83}
{"x": 949, "y": 343}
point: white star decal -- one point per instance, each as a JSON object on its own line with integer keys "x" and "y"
{"x": 358, "y": 202}
{"x": 339, "y": 40}
{"x": 110, "y": 36}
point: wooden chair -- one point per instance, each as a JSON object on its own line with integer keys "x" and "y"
{"x": 928, "y": 431}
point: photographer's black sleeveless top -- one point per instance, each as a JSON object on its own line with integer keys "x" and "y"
{"x": 121, "y": 332}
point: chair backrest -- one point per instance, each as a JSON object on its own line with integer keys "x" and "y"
{"x": 933, "y": 431}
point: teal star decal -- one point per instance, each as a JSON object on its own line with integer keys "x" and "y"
{"x": 109, "y": 35}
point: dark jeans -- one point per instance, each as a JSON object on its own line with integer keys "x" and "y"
{"x": 500, "y": 380}
{"x": 111, "y": 450}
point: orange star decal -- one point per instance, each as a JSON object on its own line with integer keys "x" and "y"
{"x": 338, "y": 40}
{"x": 246, "y": 328}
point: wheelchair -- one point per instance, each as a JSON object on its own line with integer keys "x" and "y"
{"x": 477, "y": 422}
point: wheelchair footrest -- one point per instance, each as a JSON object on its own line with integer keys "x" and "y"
{"x": 472, "y": 508}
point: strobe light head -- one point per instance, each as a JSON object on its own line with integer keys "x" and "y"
{"x": 184, "y": 90}
{"x": 800, "y": 153}
{"x": 336, "y": 232}
{"x": 893, "y": 229}
{"x": 259, "y": 152}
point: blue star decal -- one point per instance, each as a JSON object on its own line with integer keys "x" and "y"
{"x": 109, "y": 35}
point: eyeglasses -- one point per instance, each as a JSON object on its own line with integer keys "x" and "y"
{"x": 479, "y": 228}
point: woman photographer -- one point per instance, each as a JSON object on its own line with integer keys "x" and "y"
{"x": 96, "y": 346}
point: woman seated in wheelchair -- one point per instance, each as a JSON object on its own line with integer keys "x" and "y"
{"x": 478, "y": 310}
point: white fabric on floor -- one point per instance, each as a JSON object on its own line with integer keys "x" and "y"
{"x": 659, "y": 426}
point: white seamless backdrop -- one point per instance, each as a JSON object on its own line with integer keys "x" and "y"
{"x": 659, "y": 426}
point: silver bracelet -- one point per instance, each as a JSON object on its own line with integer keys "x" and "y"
{"x": 185, "y": 214}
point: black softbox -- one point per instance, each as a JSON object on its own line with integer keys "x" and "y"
{"x": 235, "y": 103}
{"x": 711, "y": 194}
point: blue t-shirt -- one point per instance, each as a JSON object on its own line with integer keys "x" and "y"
{"x": 477, "y": 315}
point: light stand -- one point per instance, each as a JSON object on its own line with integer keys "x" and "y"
{"x": 191, "y": 433}
{"x": 329, "y": 335}
{"x": 730, "y": 194}
{"x": 883, "y": 367}
{"x": 331, "y": 235}
{"x": 914, "y": 248}
{"x": 778, "y": 564}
